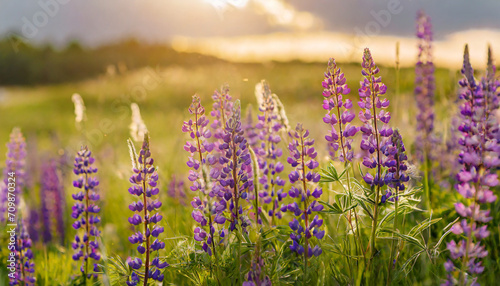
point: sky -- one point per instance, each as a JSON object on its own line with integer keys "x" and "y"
{"x": 347, "y": 25}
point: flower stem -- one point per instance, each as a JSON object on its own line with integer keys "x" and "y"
{"x": 86, "y": 229}
{"x": 306, "y": 242}
{"x": 377, "y": 192}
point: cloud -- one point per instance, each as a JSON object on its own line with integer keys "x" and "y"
{"x": 277, "y": 12}
{"x": 319, "y": 46}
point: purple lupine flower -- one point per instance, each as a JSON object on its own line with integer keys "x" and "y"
{"x": 144, "y": 188}
{"x": 303, "y": 178}
{"x": 204, "y": 177}
{"x": 235, "y": 161}
{"x": 25, "y": 265}
{"x": 479, "y": 160}
{"x": 491, "y": 91}
{"x": 53, "y": 202}
{"x": 14, "y": 174}
{"x": 221, "y": 112}
{"x": 424, "y": 90}
{"x": 375, "y": 128}
{"x": 34, "y": 225}
{"x": 338, "y": 113}
{"x": 85, "y": 210}
{"x": 395, "y": 162}
{"x": 376, "y": 132}
{"x": 256, "y": 275}
{"x": 249, "y": 129}
{"x": 268, "y": 154}
{"x": 176, "y": 190}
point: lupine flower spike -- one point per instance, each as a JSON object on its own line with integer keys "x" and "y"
{"x": 85, "y": 212}
{"x": 375, "y": 131}
{"x": 176, "y": 190}
{"x": 53, "y": 202}
{"x": 424, "y": 90}
{"x": 221, "y": 112}
{"x": 256, "y": 275}
{"x": 236, "y": 176}
{"x": 249, "y": 129}
{"x": 145, "y": 218}
{"x": 13, "y": 172}
{"x": 339, "y": 116}
{"x": 304, "y": 188}
{"x": 268, "y": 153}
{"x": 235, "y": 160}
{"x": 395, "y": 179}
{"x": 338, "y": 113}
{"x": 203, "y": 175}
{"x": 479, "y": 160}
{"x": 25, "y": 266}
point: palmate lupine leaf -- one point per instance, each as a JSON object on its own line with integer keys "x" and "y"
{"x": 330, "y": 174}
{"x": 410, "y": 239}
{"x": 447, "y": 231}
{"x": 116, "y": 270}
{"x": 419, "y": 228}
{"x": 337, "y": 208}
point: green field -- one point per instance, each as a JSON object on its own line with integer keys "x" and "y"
{"x": 45, "y": 115}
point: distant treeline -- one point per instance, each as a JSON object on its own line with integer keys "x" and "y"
{"x": 25, "y": 64}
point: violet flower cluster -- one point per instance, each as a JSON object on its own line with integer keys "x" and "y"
{"x": 249, "y": 130}
{"x": 256, "y": 275}
{"x": 424, "y": 90}
{"x": 269, "y": 153}
{"x": 14, "y": 164}
{"x": 176, "y": 190}
{"x": 145, "y": 218}
{"x": 303, "y": 179}
{"x": 235, "y": 162}
{"x": 221, "y": 112}
{"x": 53, "y": 202}
{"x": 25, "y": 266}
{"x": 338, "y": 113}
{"x": 395, "y": 162}
{"x": 479, "y": 160}
{"x": 375, "y": 126}
{"x": 210, "y": 204}
{"x": 85, "y": 212}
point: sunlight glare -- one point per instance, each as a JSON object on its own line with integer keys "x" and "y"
{"x": 223, "y": 4}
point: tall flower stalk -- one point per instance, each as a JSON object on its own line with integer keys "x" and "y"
{"x": 339, "y": 116}
{"x": 303, "y": 180}
{"x": 176, "y": 190}
{"x": 268, "y": 153}
{"x": 375, "y": 131}
{"x": 235, "y": 178}
{"x": 221, "y": 112}
{"x": 424, "y": 96}
{"x": 395, "y": 178}
{"x": 145, "y": 218}
{"x": 53, "y": 202}
{"x": 85, "y": 212}
{"x": 14, "y": 172}
{"x": 256, "y": 276}
{"x": 25, "y": 266}
{"x": 479, "y": 160}
{"x": 210, "y": 203}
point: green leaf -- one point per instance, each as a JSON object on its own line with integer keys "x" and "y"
{"x": 407, "y": 238}
{"x": 329, "y": 175}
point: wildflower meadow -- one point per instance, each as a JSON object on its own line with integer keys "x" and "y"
{"x": 328, "y": 173}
